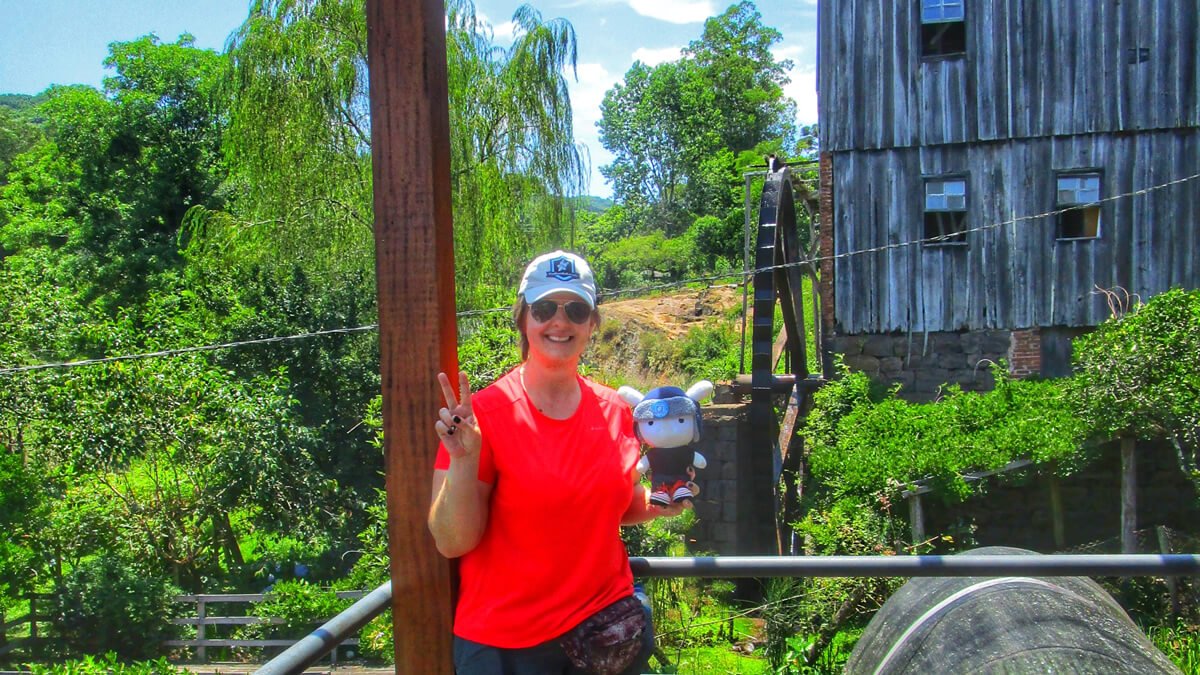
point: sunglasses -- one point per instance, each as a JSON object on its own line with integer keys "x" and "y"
{"x": 544, "y": 310}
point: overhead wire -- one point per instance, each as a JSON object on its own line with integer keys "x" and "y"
{"x": 604, "y": 294}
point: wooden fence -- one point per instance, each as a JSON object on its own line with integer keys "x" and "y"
{"x": 31, "y": 618}
{"x": 202, "y": 619}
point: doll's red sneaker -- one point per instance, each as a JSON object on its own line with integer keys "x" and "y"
{"x": 681, "y": 493}
{"x": 660, "y": 498}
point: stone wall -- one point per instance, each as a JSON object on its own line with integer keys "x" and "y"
{"x": 1011, "y": 510}
{"x": 923, "y": 362}
{"x": 716, "y": 529}
{"x": 1016, "y": 510}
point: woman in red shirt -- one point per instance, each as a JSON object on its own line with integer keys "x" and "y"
{"x": 534, "y": 476}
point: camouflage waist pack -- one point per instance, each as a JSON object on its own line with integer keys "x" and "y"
{"x": 607, "y": 642}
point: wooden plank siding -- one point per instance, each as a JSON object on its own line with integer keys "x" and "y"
{"x": 1018, "y": 275}
{"x": 1032, "y": 68}
{"x": 1044, "y": 86}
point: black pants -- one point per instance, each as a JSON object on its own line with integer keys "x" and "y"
{"x": 548, "y": 658}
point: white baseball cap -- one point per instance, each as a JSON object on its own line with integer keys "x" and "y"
{"x": 558, "y": 271}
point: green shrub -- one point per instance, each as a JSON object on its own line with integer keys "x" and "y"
{"x": 299, "y": 605}
{"x": 376, "y": 641}
{"x": 1180, "y": 642}
{"x": 710, "y": 352}
{"x": 1136, "y": 376}
{"x": 872, "y": 446}
{"x": 108, "y": 664}
{"x": 276, "y": 557}
{"x": 487, "y": 349}
{"x": 107, "y": 604}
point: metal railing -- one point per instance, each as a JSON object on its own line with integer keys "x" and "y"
{"x": 312, "y": 648}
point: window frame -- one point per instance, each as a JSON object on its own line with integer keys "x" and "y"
{"x": 943, "y": 23}
{"x": 1059, "y": 207}
{"x": 965, "y": 210}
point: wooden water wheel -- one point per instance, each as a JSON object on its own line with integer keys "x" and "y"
{"x": 782, "y": 261}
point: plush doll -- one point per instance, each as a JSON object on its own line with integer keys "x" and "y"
{"x": 667, "y": 420}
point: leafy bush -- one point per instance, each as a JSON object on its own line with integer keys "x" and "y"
{"x": 1136, "y": 375}
{"x": 710, "y": 352}
{"x": 1180, "y": 642}
{"x": 107, "y": 604}
{"x": 299, "y": 605}
{"x": 487, "y": 349}
{"x": 376, "y": 640}
{"x": 108, "y": 664}
{"x": 22, "y": 513}
{"x": 276, "y": 557}
{"x": 870, "y": 445}
{"x": 644, "y": 258}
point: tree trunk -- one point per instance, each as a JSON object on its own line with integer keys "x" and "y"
{"x": 1128, "y": 496}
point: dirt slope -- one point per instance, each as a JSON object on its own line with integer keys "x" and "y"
{"x": 636, "y": 337}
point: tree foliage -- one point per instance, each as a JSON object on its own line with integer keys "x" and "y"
{"x": 118, "y": 169}
{"x": 303, "y": 189}
{"x": 680, "y": 131}
{"x": 1136, "y": 375}
{"x": 868, "y": 444}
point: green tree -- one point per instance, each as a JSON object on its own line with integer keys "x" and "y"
{"x": 303, "y": 188}
{"x": 679, "y": 131}
{"x": 16, "y": 136}
{"x": 735, "y": 51}
{"x": 109, "y": 186}
{"x": 1136, "y": 375}
{"x": 659, "y": 123}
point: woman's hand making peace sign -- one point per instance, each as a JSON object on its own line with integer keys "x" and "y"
{"x": 456, "y": 425}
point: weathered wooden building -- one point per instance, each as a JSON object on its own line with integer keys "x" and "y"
{"x": 987, "y": 165}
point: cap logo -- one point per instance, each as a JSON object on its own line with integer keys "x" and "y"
{"x": 563, "y": 269}
{"x": 660, "y": 409}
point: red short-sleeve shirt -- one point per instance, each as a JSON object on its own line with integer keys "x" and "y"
{"x": 551, "y": 554}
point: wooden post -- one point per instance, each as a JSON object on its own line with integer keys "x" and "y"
{"x": 201, "y": 614}
{"x": 1128, "y": 496}
{"x": 1164, "y": 547}
{"x": 1056, "y": 512}
{"x": 414, "y": 262}
{"x": 916, "y": 518}
{"x": 34, "y": 647}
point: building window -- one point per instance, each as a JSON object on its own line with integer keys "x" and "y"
{"x": 943, "y": 28}
{"x": 945, "y": 211}
{"x": 1079, "y": 194}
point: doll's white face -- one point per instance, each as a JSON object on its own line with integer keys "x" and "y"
{"x": 668, "y": 432}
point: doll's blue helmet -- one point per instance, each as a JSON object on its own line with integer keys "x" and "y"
{"x": 663, "y": 402}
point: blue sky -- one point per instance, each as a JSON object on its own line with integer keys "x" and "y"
{"x": 44, "y": 42}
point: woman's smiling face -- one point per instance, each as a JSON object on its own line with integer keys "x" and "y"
{"x": 558, "y": 339}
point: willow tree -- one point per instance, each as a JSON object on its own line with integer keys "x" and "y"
{"x": 298, "y": 141}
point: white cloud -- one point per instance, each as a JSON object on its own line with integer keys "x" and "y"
{"x": 675, "y": 11}
{"x": 653, "y": 57}
{"x": 793, "y": 52}
{"x": 502, "y": 32}
{"x": 586, "y": 96}
{"x": 803, "y": 87}
{"x": 803, "y": 90}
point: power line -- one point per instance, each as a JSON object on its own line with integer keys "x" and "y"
{"x": 184, "y": 350}
{"x": 709, "y": 280}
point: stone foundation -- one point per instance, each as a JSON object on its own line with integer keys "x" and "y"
{"x": 716, "y": 529}
{"x": 922, "y": 363}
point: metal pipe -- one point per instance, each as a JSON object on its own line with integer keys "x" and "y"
{"x": 319, "y": 643}
{"x": 1054, "y": 565}
{"x": 326, "y": 638}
